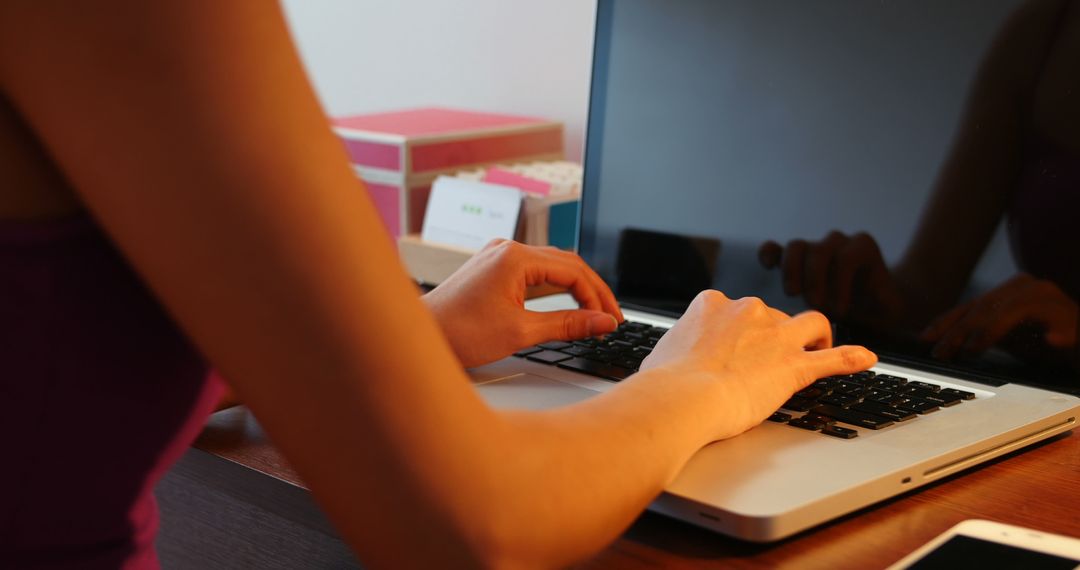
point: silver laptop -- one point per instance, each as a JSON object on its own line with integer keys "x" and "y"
{"x": 719, "y": 126}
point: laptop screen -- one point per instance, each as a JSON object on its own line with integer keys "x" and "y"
{"x": 910, "y": 168}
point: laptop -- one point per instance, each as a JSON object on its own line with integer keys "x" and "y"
{"x": 722, "y": 132}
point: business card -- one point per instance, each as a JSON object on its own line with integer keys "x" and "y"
{"x": 468, "y": 213}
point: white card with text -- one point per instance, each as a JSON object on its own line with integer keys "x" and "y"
{"x": 468, "y": 214}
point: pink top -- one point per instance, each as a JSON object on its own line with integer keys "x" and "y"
{"x": 100, "y": 395}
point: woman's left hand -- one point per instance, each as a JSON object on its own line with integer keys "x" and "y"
{"x": 481, "y": 307}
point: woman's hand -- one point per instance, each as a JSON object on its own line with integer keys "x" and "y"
{"x": 481, "y": 307}
{"x": 1023, "y": 301}
{"x": 759, "y": 355}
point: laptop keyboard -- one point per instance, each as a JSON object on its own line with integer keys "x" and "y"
{"x": 864, "y": 399}
{"x": 614, "y": 357}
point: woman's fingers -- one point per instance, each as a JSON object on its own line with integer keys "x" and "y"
{"x": 951, "y": 332}
{"x": 794, "y": 266}
{"x": 939, "y": 327}
{"x": 566, "y": 325}
{"x": 859, "y": 259}
{"x": 810, "y": 328}
{"x": 991, "y": 328}
{"x": 769, "y": 254}
{"x": 559, "y": 272}
{"x": 836, "y": 361}
{"x": 565, "y": 269}
{"x": 607, "y": 297}
{"x": 820, "y": 262}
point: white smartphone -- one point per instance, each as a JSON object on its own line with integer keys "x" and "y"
{"x": 986, "y": 544}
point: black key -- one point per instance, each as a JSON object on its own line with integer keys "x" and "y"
{"x": 615, "y": 349}
{"x": 964, "y": 395}
{"x": 600, "y": 369}
{"x": 917, "y": 406}
{"x": 548, "y": 356}
{"x": 853, "y": 417}
{"x": 945, "y": 401}
{"x": 831, "y": 383}
{"x": 632, "y": 326}
{"x": 842, "y": 433}
{"x": 779, "y": 417}
{"x": 575, "y": 350}
{"x": 621, "y": 344}
{"x": 554, "y": 345}
{"x": 890, "y": 377}
{"x": 890, "y": 399}
{"x": 916, "y": 392}
{"x": 850, "y": 378}
{"x": 589, "y": 342}
{"x": 863, "y": 376}
{"x": 651, "y": 343}
{"x": 892, "y": 385}
{"x": 634, "y": 336}
{"x": 820, "y": 418}
{"x": 852, "y": 388}
{"x": 935, "y": 397}
{"x": 810, "y": 393}
{"x": 527, "y": 351}
{"x": 825, "y": 387}
{"x": 655, "y": 333}
{"x": 879, "y": 409}
{"x": 630, "y": 363}
{"x": 840, "y": 400}
{"x": 799, "y": 404}
{"x": 926, "y": 385}
{"x": 642, "y": 351}
{"x": 807, "y": 423}
{"x": 939, "y": 398}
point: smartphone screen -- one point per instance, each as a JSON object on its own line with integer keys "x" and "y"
{"x": 967, "y": 552}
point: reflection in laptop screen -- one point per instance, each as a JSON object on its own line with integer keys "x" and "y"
{"x": 912, "y": 169}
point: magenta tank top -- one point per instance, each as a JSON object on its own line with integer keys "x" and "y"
{"x": 99, "y": 394}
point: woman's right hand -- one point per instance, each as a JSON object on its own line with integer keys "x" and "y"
{"x": 758, "y": 355}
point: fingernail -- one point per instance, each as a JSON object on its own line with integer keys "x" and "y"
{"x": 602, "y": 324}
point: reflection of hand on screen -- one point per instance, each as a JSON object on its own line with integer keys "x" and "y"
{"x": 974, "y": 327}
{"x": 841, "y": 275}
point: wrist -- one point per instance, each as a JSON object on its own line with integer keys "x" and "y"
{"x": 698, "y": 397}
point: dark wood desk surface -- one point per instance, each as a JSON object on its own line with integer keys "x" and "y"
{"x": 1037, "y": 488}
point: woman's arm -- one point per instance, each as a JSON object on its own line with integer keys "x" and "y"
{"x": 984, "y": 165}
{"x": 190, "y": 132}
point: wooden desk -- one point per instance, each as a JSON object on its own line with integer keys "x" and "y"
{"x": 1038, "y": 488}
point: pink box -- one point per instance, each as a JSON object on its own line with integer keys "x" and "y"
{"x": 399, "y": 154}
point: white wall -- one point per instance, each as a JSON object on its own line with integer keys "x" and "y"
{"x": 528, "y": 57}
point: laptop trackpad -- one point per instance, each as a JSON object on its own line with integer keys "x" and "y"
{"x": 531, "y": 392}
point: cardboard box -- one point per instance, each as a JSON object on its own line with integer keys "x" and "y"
{"x": 430, "y": 263}
{"x": 399, "y": 154}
